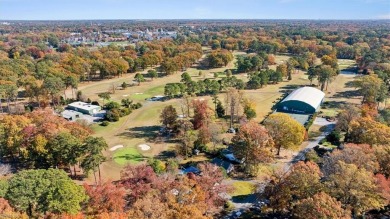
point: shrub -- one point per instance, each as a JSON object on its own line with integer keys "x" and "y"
{"x": 157, "y": 165}
{"x": 136, "y": 106}
{"x": 113, "y": 115}
{"x": 124, "y": 85}
{"x": 334, "y": 137}
{"x": 104, "y": 123}
{"x": 125, "y": 111}
{"x": 112, "y": 105}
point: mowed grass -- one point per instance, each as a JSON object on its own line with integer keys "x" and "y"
{"x": 154, "y": 91}
{"x": 241, "y": 188}
{"x": 346, "y": 63}
{"x": 128, "y": 155}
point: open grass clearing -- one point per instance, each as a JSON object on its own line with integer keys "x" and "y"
{"x": 128, "y": 155}
{"x": 242, "y": 188}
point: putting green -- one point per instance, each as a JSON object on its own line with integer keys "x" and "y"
{"x": 127, "y": 155}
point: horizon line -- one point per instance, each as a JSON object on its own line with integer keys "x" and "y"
{"x": 203, "y": 19}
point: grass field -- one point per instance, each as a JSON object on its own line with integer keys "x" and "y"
{"x": 128, "y": 155}
{"x": 242, "y": 188}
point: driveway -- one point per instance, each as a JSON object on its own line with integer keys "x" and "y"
{"x": 314, "y": 142}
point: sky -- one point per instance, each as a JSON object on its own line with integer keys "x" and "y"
{"x": 193, "y": 9}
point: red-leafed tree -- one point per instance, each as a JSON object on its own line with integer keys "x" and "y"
{"x": 211, "y": 183}
{"x": 383, "y": 185}
{"x": 105, "y": 198}
{"x": 138, "y": 180}
{"x": 202, "y": 113}
{"x": 253, "y": 144}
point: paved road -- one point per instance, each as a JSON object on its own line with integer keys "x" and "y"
{"x": 312, "y": 143}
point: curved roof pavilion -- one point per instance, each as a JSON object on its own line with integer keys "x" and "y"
{"x": 304, "y": 100}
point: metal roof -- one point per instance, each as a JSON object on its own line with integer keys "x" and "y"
{"x": 84, "y": 106}
{"x": 309, "y": 95}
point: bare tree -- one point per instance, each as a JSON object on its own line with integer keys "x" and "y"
{"x": 185, "y": 105}
{"x": 233, "y": 99}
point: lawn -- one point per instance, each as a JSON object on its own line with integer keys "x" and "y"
{"x": 154, "y": 91}
{"x": 128, "y": 155}
{"x": 242, "y": 188}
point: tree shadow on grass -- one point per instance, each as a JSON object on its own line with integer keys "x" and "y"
{"x": 289, "y": 88}
{"x": 163, "y": 155}
{"x": 131, "y": 157}
{"x": 347, "y": 94}
{"x": 333, "y": 105}
{"x": 148, "y": 133}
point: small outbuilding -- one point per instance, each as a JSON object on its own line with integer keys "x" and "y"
{"x": 85, "y": 108}
{"x": 304, "y": 100}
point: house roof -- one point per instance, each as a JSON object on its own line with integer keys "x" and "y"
{"x": 84, "y": 106}
{"x": 309, "y": 95}
{"x": 221, "y": 163}
{"x": 190, "y": 169}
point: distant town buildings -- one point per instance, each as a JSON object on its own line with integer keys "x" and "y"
{"x": 119, "y": 35}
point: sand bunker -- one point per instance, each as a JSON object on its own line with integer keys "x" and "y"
{"x": 144, "y": 147}
{"x": 116, "y": 147}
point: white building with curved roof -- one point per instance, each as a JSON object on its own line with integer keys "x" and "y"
{"x": 304, "y": 100}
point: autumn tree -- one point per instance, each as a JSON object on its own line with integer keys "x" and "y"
{"x": 139, "y": 180}
{"x": 105, "y": 198}
{"x": 364, "y": 130}
{"x": 286, "y": 132}
{"x": 219, "y": 58}
{"x": 383, "y": 187}
{"x": 355, "y": 188}
{"x": 212, "y": 184}
{"x": 168, "y": 117}
{"x": 202, "y": 113}
{"x": 325, "y": 75}
{"x": 282, "y": 68}
{"x": 249, "y": 109}
{"x": 253, "y": 144}
{"x": 346, "y": 116}
{"x": 303, "y": 181}
{"x": 321, "y": 205}
{"x": 371, "y": 88}
{"x": 185, "y": 132}
{"x": 363, "y": 156}
{"x": 7, "y": 211}
{"x": 383, "y": 157}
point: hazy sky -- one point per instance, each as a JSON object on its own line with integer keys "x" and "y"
{"x": 193, "y": 9}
